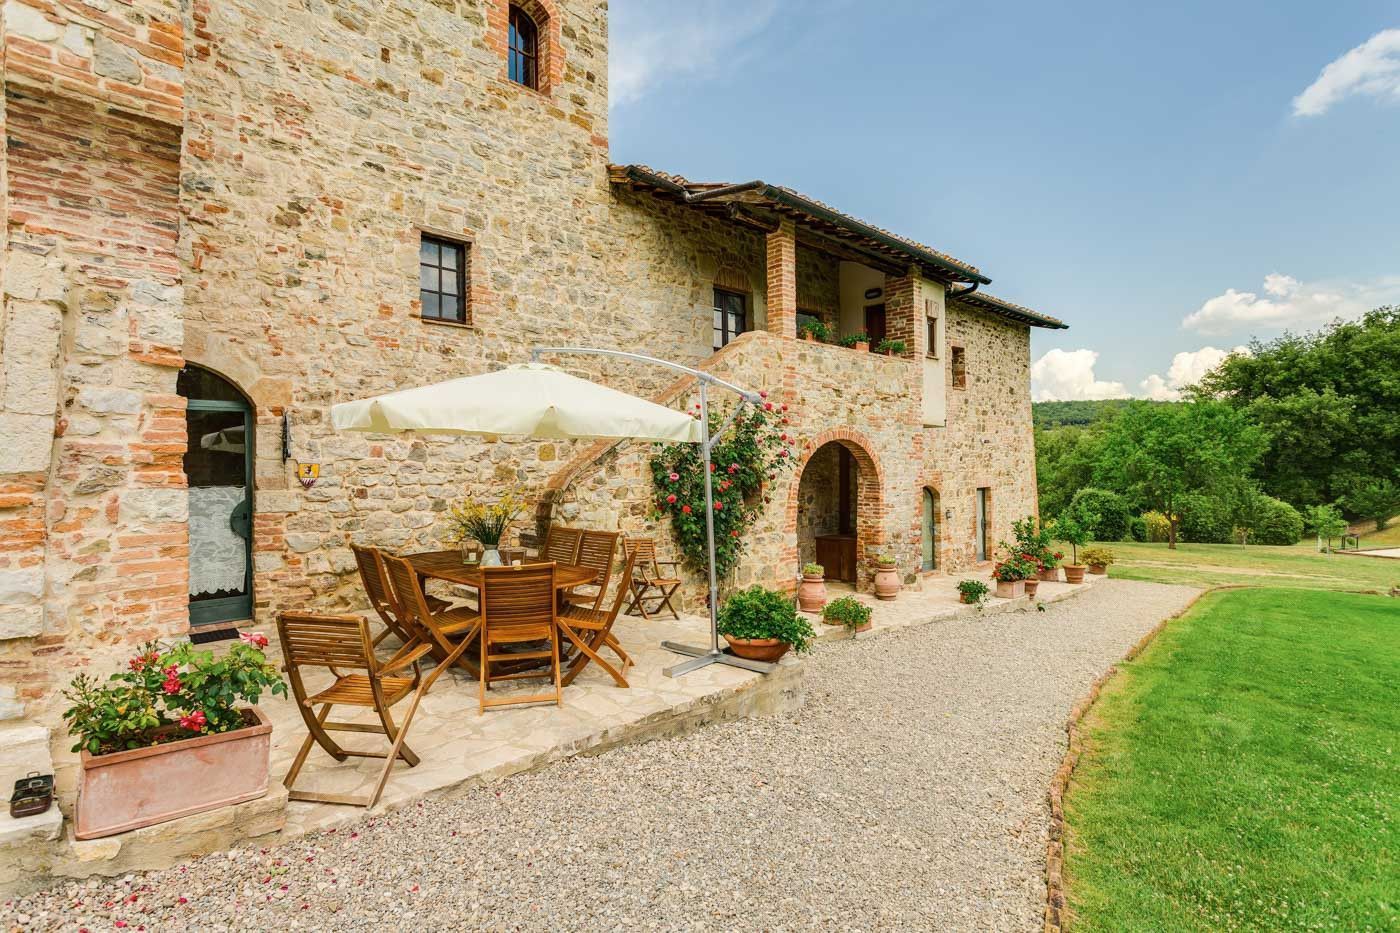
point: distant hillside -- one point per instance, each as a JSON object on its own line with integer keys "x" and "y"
{"x": 1058, "y": 414}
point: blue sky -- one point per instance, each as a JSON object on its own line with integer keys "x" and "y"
{"x": 1171, "y": 179}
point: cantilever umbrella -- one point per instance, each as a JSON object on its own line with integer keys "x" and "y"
{"x": 536, "y": 400}
{"x": 531, "y": 400}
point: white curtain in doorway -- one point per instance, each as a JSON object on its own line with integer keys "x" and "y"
{"x": 218, "y": 557}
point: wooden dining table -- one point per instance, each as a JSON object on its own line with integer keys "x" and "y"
{"x": 448, "y": 565}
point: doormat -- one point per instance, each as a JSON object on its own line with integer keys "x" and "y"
{"x": 208, "y": 635}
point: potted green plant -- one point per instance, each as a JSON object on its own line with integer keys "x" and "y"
{"x": 177, "y": 732}
{"x": 886, "y": 577}
{"x": 972, "y": 592}
{"x": 762, "y": 624}
{"x": 859, "y": 342}
{"x": 850, "y": 612}
{"x": 815, "y": 331}
{"x": 811, "y": 592}
{"x": 891, "y": 347}
{"x": 1074, "y": 531}
{"x": 1098, "y": 559}
{"x": 470, "y": 520}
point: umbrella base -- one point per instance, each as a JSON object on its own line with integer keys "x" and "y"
{"x": 704, "y": 657}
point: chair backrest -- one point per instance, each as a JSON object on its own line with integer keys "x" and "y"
{"x": 372, "y": 578}
{"x": 313, "y": 640}
{"x": 408, "y": 595}
{"x": 622, "y": 591}
{"x": 513, "y": 597}
{"x": 561, "y": 545}
{"x": 643, "y": 549}
{"x": 596, "y": 553}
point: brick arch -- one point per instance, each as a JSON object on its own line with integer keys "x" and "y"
{"x": 551, "y": 52}
{"x": 870, "y": 497}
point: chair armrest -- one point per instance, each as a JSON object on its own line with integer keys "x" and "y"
{"x": 402, "y": 660}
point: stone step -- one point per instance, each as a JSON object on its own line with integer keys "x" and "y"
{"x": 24, "y": 747}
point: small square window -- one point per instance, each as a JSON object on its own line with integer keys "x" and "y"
{"x": 442, "y": 279}
{"x": 959, "y": 368}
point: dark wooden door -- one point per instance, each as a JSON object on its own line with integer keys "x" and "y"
{"x": 875, "y": 324}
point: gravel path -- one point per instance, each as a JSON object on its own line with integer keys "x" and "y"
{"x": 909, "y": 793}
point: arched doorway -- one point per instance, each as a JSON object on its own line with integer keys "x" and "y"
{"x": 218, "y": 462}
{"x": 928, "y": 530}
{"x": 836, "y": 505}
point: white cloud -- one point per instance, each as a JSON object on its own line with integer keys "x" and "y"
{"x": 1187, "y": 368}
{"x": 1287, "y": 302}
{"x": 1371, "y": 69}
{"x": 653, "y": 41}
{"x": 1068, "y": 375}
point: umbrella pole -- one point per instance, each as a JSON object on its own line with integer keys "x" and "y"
{"x": 704, "y": 657}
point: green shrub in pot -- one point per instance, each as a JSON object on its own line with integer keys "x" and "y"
{"x": 759, "y": 613}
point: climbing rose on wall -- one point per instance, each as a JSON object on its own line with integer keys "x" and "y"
{"x": 752, "y": 450}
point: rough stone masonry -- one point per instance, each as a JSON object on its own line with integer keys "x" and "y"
{"x": 243, "y": 186}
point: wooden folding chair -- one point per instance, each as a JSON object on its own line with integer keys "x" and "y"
{"x": 448, "y": 631}
{"x": 518, "y": 605}
{"x": 590, "y": 630}
{"x": 370, "y": 562}
{"x": 597, "y": 552}
{"x": 561, "y": 545}
{"x": 647, "y": 581}
{"x": 342, "y": 644}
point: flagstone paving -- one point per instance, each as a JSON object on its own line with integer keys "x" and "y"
{"x": 908, "y": 793}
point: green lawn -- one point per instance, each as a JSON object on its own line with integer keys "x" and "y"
{"x": 1223, "y": 564}
{"x": 1242, "y": 773}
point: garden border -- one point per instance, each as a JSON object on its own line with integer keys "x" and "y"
{"x": 1054, "y": 920}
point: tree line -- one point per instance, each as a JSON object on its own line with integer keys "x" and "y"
{"x": 1301, "y": 432}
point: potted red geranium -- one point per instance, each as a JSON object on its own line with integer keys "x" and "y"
{"x": 170, "y": 736}
{"x": 1011, "y": 575}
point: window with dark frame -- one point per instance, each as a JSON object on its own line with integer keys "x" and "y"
{"x": 959, "y": 368}
{"x": 931, "y": 323}
{"x": 523, "y": 65}
{"x": 442, "y": 279}
{"x": 731, "y": 316}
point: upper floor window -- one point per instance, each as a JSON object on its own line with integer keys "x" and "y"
{"x": 959, "y": 362}
{"x": 931, "y": 329}
{"x": 524, "y": 45}
{"x": 442, "y": 279}
{"x": 731, "y": 316}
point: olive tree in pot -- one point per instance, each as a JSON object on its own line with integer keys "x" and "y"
{"x": 170, "y": 736}
{"x": 762, "y": 624}
{"x": 1074, "y": 531}
{"x": 811, "y": 592}
{"x": 850, "y": 612}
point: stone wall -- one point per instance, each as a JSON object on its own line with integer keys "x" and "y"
{"x": 269, "y": 231}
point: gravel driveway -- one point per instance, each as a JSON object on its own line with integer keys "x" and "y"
{"x": 909, "y": 793}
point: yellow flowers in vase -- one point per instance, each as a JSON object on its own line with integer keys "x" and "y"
{"x": 470, "y": 519}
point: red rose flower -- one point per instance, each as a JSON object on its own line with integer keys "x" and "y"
{"x": 719, "y": 506}
{"x": 671, "y": 499}
{"x": 685, "y": 509}
{"x": 674, "y": 477}
{"x": 763, "y": 395}
{"x": 767, "y": 406}
{"x": 256, "y": 639}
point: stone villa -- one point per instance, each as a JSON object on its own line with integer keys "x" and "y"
{"x": 222, "y": 216}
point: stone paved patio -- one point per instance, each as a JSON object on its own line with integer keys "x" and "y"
{"x": 461, "y": 749}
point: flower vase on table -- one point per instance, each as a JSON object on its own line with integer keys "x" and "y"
{"x": 487, "y": 523}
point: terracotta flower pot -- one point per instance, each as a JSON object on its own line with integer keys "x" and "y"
{"x": 142, "y": 786}
{"x": 1010, "y": 589}
{"x": 1098, "y": 570}
{"x": 1050, "y": 575}
{"x": 886, "y": 583}
{"x": 811, "y": 593}
{"x": 862, "y": 346}
{"x": 1031, "y": 586}
{"x": 1074, "y": 573}
{"x": 966, "y": 599}
{"x": 758, "y": 649}
{"x": 809, "y": 338}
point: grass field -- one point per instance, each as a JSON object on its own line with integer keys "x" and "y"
{"x": 1220, "y": 564}
{"x": 1390, "y": 537}
{"x": 1242, "y": 772}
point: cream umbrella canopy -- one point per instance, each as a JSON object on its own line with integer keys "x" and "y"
{"x": 533, "y": 400}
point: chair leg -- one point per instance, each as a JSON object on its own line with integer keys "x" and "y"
{"x": 398, "y": 748}
{"x": 622, "y": 655}
{"x": 558, "y": 680}
{"x": 666, "y": 601}
{"x": 641, "y": 599}
{"x": 314, "y": 733}
{"x": 585, "y": 655}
